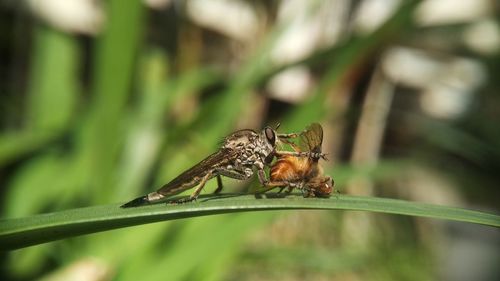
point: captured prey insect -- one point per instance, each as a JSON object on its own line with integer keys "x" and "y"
{"x": 241, "y": 153}
{"x": 302, "y": 172}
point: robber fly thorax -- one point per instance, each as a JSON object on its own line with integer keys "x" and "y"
{"x": 241, "y": 153}
{"x": 292, "y": 170}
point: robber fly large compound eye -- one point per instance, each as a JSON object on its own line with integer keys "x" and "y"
{"x": 270, "y": 135}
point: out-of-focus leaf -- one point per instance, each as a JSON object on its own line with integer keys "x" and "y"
{"x": 103, "y": 132}
{"x": 53, "y": 90}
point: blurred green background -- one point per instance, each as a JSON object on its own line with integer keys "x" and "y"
{"x": 103, "y": 101}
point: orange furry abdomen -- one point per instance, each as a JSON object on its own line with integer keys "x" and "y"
{"x": 289, "y": 168}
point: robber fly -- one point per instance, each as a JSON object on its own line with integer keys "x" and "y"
{"x": 304, "y": 172}
{"x": 241, "y": 153}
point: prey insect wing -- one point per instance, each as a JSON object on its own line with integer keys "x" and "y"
{"x": 302, "y": 172}
{"x": 311, "y": 139}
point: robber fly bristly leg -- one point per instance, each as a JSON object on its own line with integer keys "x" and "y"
{"x": 219, "y": 185}
{"x": 300, "y": 154}
{"x": 288, "y": 136}
{"x": 270, "y": 185}
{"x": 234, "y": 174}
{"x": 262, "y": 177}
{"x": 294, "y": 146}
{"x": 197, "y": 191}
{"x": 201, "y": 186}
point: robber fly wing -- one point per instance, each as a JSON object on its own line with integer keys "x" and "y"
{"x": 311, "y": 139}
{"x": 189, "y": 178}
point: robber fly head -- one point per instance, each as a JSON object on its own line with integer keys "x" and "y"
{"x": 260, "y": 145}
{"x": 267, "y": 144}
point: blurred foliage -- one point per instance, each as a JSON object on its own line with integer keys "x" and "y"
{"x": 90, "y": 120}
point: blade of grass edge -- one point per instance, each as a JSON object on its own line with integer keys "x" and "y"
{"x": 22, "y": 232}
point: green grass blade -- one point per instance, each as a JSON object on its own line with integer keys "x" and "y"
{"x": 114, "y": 66}
{"x": 53, "y": 80}
{"x": 22, "y": 232}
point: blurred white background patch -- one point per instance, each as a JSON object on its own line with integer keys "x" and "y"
{"x": 75, "y": 16}
{"x": 371, "y": 14}
{"x": 439, "y": 12}
{"x": 311, "y": 25}
{"x": 483, "y": 36}
{"x": 446, "y": 82}
{"x": 291, "y": 85}
{"x": 235, "y": 19}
